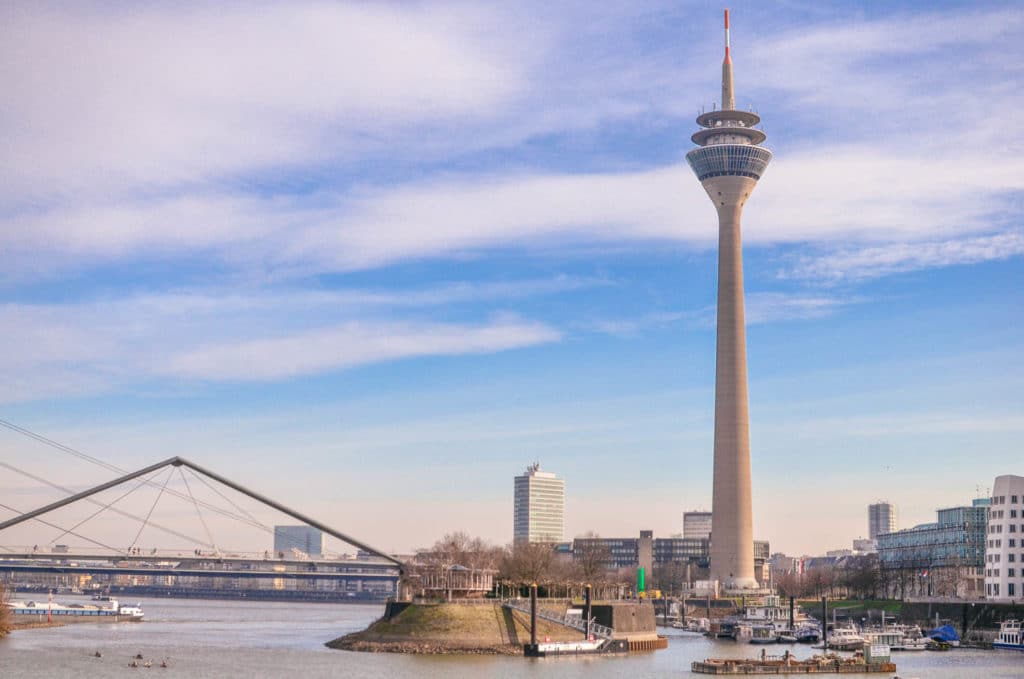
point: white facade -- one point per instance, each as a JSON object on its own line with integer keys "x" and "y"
{"x": 539, "y": 507}
{"x": 881, "y": 519}
{"x": 1004, "y": 541}
{"x": 697, "y": 525}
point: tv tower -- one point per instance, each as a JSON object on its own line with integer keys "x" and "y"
{"x": 728, "y": 162}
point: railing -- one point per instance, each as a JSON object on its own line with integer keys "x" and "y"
{"x": 575, "y": 623}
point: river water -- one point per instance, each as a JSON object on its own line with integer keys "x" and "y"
{"x": 250, "y": 639}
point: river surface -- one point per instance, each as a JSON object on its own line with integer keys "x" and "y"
{"x": 252, "y": 639}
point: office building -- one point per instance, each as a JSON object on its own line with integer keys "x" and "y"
{"x": 941, "y": 559}
{"x": 881, "y": 518}
{"x": 539, "y": 506}
{"x": 728, "y": 162}
{"x": 697, "y": 525}
{"x": 617, "y": 553}
{"x": 305, "y": 539}
{"x": 1004, "y": 541}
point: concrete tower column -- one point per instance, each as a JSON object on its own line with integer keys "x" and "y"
{"x": 732, "y": 535}
{"x": 728, "y": 162}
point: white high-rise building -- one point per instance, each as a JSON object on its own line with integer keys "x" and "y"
{"x": 697, "y": 525}
{"x": 1004, "y": 541}
{"x": 539, "y": 508}
{"x": 881, "y": 518}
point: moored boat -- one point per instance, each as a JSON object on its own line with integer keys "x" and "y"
{"x": 845, "y": 639}
{"x": 1010, "y": 636}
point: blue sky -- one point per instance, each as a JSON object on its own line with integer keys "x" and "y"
{"x": 373, "y": 259}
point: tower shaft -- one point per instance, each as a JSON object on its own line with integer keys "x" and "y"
{"x": 732, "y": 539}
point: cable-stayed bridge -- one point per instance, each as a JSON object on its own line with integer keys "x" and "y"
{"x": 187, "y": 565}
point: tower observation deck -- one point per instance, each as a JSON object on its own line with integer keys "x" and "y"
{"x": 729, "y": 161}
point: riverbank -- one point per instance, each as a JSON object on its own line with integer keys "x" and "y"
{"x": 452, "y": 629}
{"x": 32, "y": 624}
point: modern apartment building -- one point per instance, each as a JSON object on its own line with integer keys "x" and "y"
{"x": 1004, "y": 541}
{"x": 539, "y": 506}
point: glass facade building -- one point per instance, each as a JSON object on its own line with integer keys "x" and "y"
{"x": 945, "y": 558}
{"x": 538, "y": 507}
{"x": 306, "y": 539}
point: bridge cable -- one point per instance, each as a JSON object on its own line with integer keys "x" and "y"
{"x": 51, "y": 525}
{"x": 121, "y": 512}
{"x": 103, "y": 508}
{"x": 106, "y": 465}
{"x": 199, "y": 513}
{"x": 143, "y": 526}
{"x": 232, "y": 503}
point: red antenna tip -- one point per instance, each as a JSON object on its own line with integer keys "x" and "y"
{"x": 727, "y": 18}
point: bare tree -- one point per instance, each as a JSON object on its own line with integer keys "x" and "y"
{"x": 591, "y": 557}
{"x": 5, "y": 612}
{"x": 528, "y": 562}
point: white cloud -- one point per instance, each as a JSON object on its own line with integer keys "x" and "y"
{"x": 97, "y": 345}
{"x": 353, "y": 344}
{"x": 871, "y": 262}
{"x": 147, "y": 95}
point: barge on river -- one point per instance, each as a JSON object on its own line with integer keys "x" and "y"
{"x": 787, "y": 664}
{"x": 112, "y": 611}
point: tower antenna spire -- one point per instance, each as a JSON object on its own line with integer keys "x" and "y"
{"x": 728, "y": 99}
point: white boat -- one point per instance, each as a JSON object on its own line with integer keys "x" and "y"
{"x": 42, "y": 610}
{"x": 763, "y": 634}
{"x": 893, "y": 638}
{"x": 1010, "y": 636}
{"x": 845, "y": 639}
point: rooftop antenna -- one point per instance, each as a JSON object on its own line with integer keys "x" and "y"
{"x": 728, "y": 99}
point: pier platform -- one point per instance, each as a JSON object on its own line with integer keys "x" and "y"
{"x": 818, "y": 664}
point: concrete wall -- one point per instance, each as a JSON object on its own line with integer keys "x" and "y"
{"x": 628, "y": 619}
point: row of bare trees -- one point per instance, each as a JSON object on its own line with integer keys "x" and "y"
{"x": 858, "y": 578}
{"x": 521, "y": 564}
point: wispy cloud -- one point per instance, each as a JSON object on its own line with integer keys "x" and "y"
{"x": 875, "y": 261}
{"x": 760, "y": 308}
{"x": 96, "y": 345}
{"x": 353, "y": 344}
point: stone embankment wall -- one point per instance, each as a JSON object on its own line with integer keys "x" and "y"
{"x": 965, "y": 616}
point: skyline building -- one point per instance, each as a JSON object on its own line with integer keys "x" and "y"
{"x": 538, "y": 507}
{"x": 944, "y": 558}
{"x": 881, "y": 518}
{"x": 696, "y": 525}
{"x": 1004, "y": 540}
{"x": 728, "y": 162}
{"x": 306, "y": 539}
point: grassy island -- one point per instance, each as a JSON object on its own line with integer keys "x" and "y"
{"x": 478, "y": 628}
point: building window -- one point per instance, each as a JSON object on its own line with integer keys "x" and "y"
{"x": 1013, "y": 542}
{"x": 1011, "y": 573}
{"x": 1011, "y": 557}
{"x": 1013, "y": 528}
{"x": 1013, "y": 513}
{"x": 1010, "y": 589}
{"x": 1013, "y": 499}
